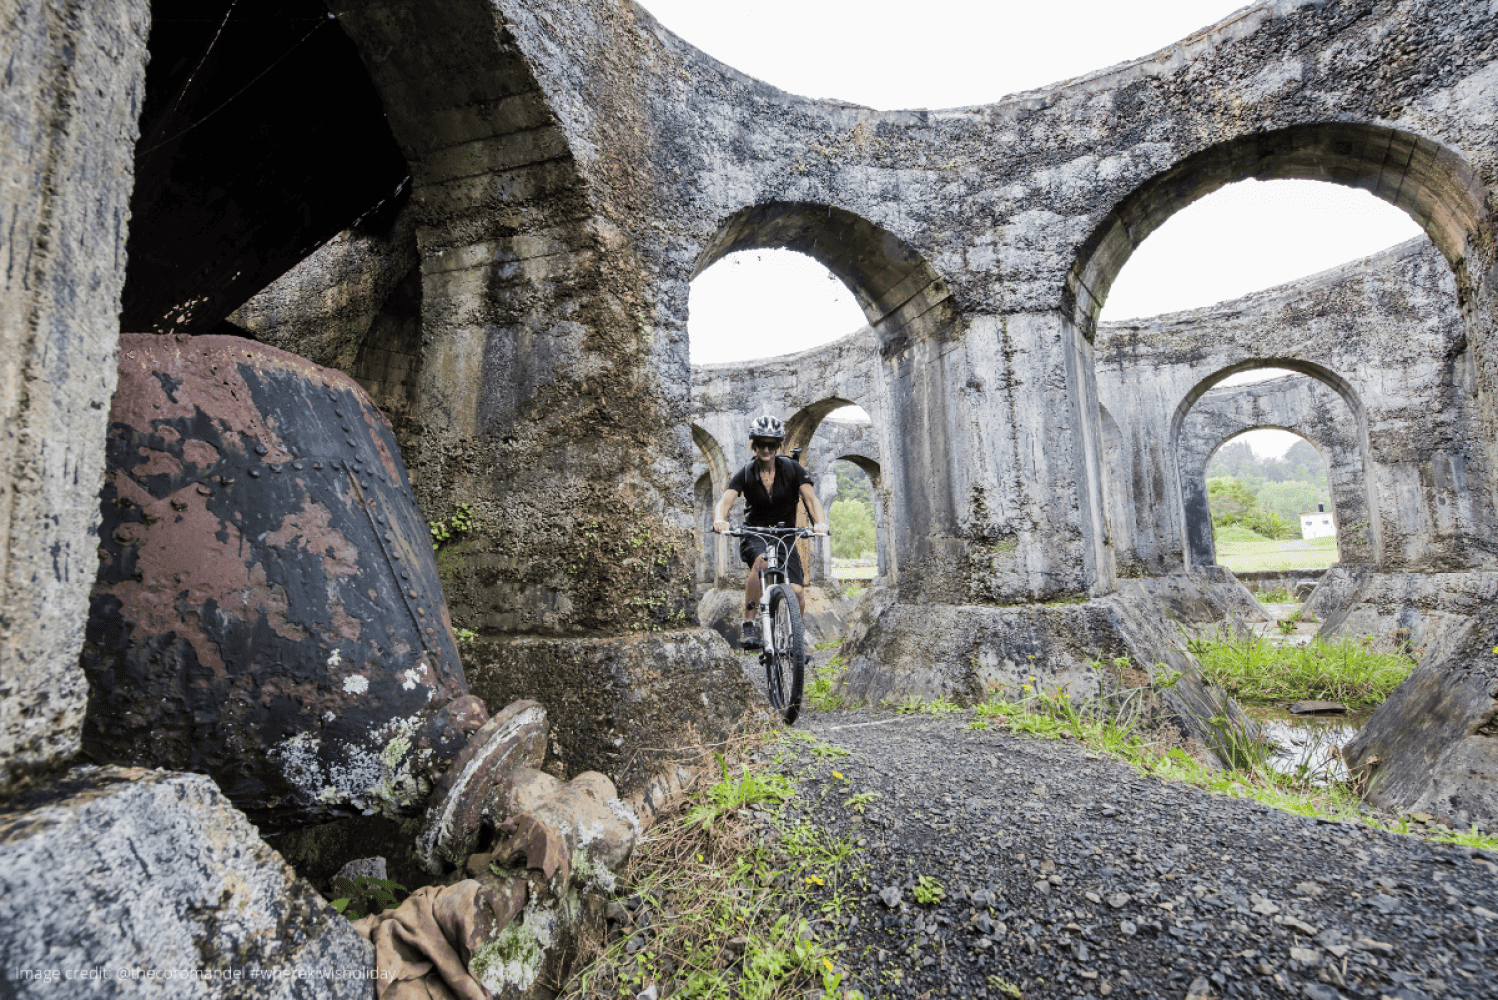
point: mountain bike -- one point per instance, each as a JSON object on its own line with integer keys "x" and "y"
{"x": 779, "y": 620}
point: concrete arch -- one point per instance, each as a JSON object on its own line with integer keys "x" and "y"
{"x": 1391, "y": 328}
{"x": 802, "y": 425}
{"x": 1196, "y": 515}
{"x": 899, "y": 291}
{"x": 1318, "y": 372}
{"x": 718, "y": 466}
{"x": 718, "y": 471}
{"x": 1429, "y": 181}
{"x": 1307, "y": 408}
{"x": 1114, "y": 474}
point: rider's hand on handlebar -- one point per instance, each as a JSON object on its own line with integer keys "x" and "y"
{"x": 820, "y": 529}
{"x": 720, "y": 527}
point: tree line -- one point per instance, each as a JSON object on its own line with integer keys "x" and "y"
{"x": 1266, "y": 495}
{"x": 851, "y": 516}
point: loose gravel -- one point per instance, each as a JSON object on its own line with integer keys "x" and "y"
{"x": 1067, "y": 875}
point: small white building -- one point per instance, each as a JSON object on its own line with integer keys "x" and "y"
{"x": 1318, "y": 524}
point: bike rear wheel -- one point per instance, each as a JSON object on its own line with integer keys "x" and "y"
{"x": 785, "y": 662}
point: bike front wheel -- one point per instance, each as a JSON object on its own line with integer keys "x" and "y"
{"x": 785, "y": 662}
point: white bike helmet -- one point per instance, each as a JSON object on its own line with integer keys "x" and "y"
{"x": 767, "y": 427}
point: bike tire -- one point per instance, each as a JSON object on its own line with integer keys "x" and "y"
{"x": 786, "y": 666}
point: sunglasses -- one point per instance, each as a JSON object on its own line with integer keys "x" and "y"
{"x": 764, "y": 444}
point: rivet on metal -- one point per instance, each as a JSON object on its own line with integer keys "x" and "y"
{"x": 275, "y": 467}
{"x": 317, "y": 465}
{"x": 297, "y": 466}
{"x": 254, "y": 473}
{"x": 411, "y": 594}
{"x": 422, "y": 612}
{"x": 351, "y": 442}
{"x": 260, "y": 449}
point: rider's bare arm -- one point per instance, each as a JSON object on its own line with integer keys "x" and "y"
{"x": 720, "y": 512}
{"x": 818, "y": 516}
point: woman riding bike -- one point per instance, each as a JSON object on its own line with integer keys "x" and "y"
{"x": 771, "y": 485}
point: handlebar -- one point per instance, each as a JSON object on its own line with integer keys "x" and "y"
{"x": 745, "y": 529}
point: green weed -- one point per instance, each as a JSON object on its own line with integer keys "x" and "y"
{"x": 729, "y": 795}
{"x": 1280, "y": 595}
{"x": 928, "y": 891}
{"x": 365, "y": 895}
{"x": 730, "y": 905}
{"x": 445, "y": 530}
{"x": 942, "y": 705}
{"x": 1257, "y": 670}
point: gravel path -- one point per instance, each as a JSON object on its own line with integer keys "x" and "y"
{"x": 1067, "y": 875}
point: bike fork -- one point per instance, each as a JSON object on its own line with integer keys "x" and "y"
{"x": 766, "y": 633}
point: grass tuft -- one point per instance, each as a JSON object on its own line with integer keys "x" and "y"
{"x": 1257, "y": 670}
{"x": 725, "y": 895}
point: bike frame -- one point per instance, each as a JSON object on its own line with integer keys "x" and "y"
{"x": 776, "y": 556}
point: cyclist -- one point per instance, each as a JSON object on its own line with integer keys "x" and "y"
{"x": 771, "y": 485}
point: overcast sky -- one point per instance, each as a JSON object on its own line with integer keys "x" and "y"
{"x": 946, "y": 53}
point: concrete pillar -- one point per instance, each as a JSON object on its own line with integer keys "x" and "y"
{"x": 68, "y": 123}
{"x": 988, "y": 464}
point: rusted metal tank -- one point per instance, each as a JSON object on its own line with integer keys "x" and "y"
{"x": 267, "y": 609}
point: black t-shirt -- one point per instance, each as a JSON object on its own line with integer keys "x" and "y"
{"x": 766, "y": 510}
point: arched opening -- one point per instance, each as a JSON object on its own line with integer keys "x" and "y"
{"x": 1245, "y": 489}
{"x": 860, "y": 546}
{"x": 1431, "y": 184}
{"x": 711, "y": 480}
{"x": 905, "y": 304}
{"x": 765, "y": 303}
{"x": 902, "y": 298}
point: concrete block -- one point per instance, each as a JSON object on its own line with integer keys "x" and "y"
{"x": 129, "y": 882}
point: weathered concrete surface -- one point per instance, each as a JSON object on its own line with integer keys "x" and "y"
{"x": 1433, "y": 745}
{"x": 624, "y": 706}
{"x": 1093, "y": 651}
{"x": 1295, "y": 403}
{"x": 1386, "y": 335}
{"x": 354, "y": 305}
{"x": 127, "y": 873}
{"x": 596, "y": 122}
{"x": 599, "y": 132}
{"x": 1422, "y": 612}
{"x": 74, "y": 76}
{"x": 1301, "y": 583}
{"x": 1208, "y": 595}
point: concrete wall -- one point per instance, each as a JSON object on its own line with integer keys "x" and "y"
{"x": 1295, "y": 403}
{"x": 74, "y": 76}
{"x": 1387, "y": 335}
{"x": 980, "y": 242}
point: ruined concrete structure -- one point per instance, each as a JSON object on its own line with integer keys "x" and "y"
{"x": 1387, "y": 336}
{"x": 519, "y": 307}
{"x": 1296, "y": 403}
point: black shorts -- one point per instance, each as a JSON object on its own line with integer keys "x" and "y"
{"x": 752, "y": 546}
